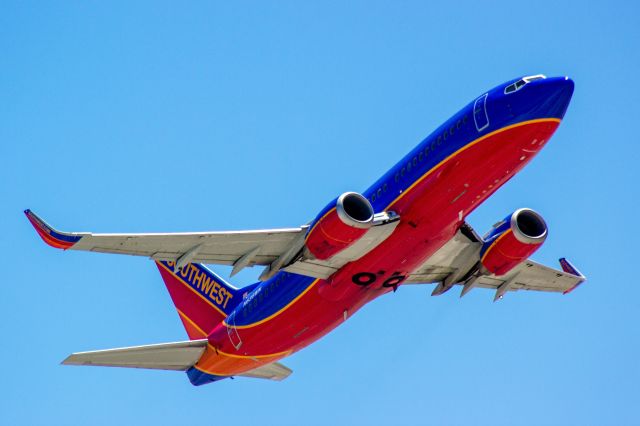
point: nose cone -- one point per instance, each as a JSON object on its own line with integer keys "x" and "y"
{"x": 555, "y": 96}
{"x": 542, "y": 98}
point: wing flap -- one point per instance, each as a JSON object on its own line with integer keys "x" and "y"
{"x": 178, "y": 356}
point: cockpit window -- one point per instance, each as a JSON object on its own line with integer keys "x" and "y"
{"x": 513, "y": 87}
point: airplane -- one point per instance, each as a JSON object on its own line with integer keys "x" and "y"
{"x": 408, "y": 228}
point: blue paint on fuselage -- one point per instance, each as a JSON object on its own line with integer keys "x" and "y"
{"x": 270, "y": 297}
{"x": 545, "y": 98}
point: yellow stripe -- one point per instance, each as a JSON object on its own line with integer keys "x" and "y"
{"x": 183, "y": 315}
{"x": 467, "y": 146}
{"x": 193, "y": 290}
{"x": 211, "y": 372}
{"x": 494, "y": 244}
{"x": 277, "y": 354}
{"x": 424, "y": 176}
{"x": 278, "y": 312}
{"x": 329, "y": 237}
{"x": 218, "y": 351}
{"x": 316, "y": 224}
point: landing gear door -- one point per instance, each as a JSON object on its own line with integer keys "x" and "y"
{"x": 480, "y": 116}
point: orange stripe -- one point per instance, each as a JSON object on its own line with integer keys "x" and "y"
{"x": 469, "y": 145}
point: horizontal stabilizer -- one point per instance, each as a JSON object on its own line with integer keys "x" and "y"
{"x": 164, "y": 356}
{"x": 273, "y": 371}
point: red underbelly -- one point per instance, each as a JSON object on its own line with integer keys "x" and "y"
{"x": 431, "y": 211}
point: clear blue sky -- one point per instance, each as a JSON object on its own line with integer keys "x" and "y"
{"x": 154, "y": 116}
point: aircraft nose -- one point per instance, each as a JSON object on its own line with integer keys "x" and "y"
{"x": 554, "y": 95}
{"x": 561, "y": 90}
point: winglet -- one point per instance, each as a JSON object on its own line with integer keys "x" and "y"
{"x": 570, "y": 269}
{"x": 54, "y": 238}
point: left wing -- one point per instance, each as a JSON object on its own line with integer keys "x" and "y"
{"x": 456, "y": 263}
{"x": 178, "y": 356}
{"x": 164, "y": 356}
{"x": 273, "y": 247}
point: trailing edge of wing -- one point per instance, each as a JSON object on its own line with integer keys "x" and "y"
{"x": 164, "y": 356}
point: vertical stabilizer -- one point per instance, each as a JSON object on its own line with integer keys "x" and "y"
{"x": 202, "y": 298}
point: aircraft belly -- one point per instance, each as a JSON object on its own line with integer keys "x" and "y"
{"x": 431, "y": 212}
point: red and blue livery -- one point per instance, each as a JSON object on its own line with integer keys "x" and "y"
{"x": 408, "y": 228}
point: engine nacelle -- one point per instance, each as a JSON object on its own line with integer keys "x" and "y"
{"x": 513, "y": 240}
{"x": 339, "y": 225}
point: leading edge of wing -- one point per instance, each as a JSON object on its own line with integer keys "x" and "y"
{"x": 65, "y": 240}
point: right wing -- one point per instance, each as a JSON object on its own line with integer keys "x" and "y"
{"x": 238, "y": 248}
{"x": 456, "y": 263}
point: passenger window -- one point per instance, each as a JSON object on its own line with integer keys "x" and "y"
{"x": 397, "y": 178}
{"x": 384, "y": 188}
{"x": 415, "y": 161}
{"x": 459, "y": 124}
{"x": 421, "y": 156}
{"x": 402, "y": 172}
{"x": 409, "y": 167}
{"x": 379, "y": 192}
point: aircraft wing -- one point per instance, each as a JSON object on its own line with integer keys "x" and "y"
{"x": 178, "y": 356}
{"x": 456, "y": 264}
{"x": 238, "y": 248}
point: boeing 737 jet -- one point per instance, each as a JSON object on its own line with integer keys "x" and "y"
{"x": 408, "y": 228}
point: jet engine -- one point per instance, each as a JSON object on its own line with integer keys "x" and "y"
{"x": 512, "y": 240}
{"x": 339, "y": 225}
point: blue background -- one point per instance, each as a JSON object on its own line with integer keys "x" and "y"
{"x": 155, "y": 116}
